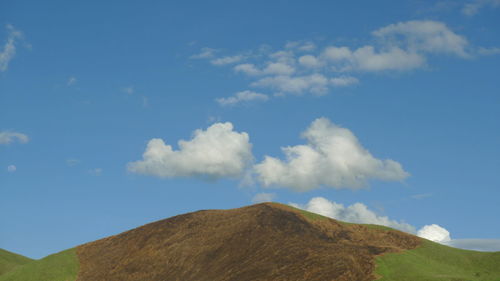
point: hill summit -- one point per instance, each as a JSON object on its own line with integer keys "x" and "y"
{"x": 267, "y": 241}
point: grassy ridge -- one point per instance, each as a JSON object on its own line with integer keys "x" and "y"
{"x": 62, "y": 266}
{"x": 9, "y": 261}
{"x": 432, "y": 262}
{"x": 435, "y": 262}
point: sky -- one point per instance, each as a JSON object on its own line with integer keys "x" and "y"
{"x": 119, "y": 113}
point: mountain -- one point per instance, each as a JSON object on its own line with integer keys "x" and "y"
{"x": 266, "y": 241}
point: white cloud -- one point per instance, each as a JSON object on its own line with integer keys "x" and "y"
{"x": 212, "y": 154}
{"x": 315, "y": 83}
{"x": 263, "y": 197}
{"x": 248, "y": 69}
{"x": 332, "y": 157}
{"x": 424, "y": 36}
{"x": 368, "y": 59}
{"x": 355, "y": 213}
{"x": 227, "y": 60}
{"x": 359, "y": 213}
{"x": 301, "y": 46}
{"x": 9, "y": 49}
{"x": 310, "y": 61}
{"x": 71, "y": 81}
{"x": 344, "y": 81}
{"x": 473, "y": 7}
{"x": 434, "y": 233}
{"x": 244, "y": 96}
{"x": 488, "y": 51}
{"x": 206, "y": 53}
{"x": 272, "y": 68}
{"x": 485, "y": 245}
{"x": 302, "y": 67}
{"x": 11, "y": 168}
{"x": 7, "y": 137}
{"x": 278, "y": 68}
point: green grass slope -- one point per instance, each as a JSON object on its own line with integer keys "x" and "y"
{"x": 62, "y": 266}
{"x": 436, "y": 262}
{"x": 9, "y": 261}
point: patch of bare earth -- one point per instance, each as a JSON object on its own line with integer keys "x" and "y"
{"x": 267, "y": 241}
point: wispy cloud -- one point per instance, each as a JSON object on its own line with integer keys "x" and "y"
{"x": 72, "y": 162}
{"x": 9, "y": 49}
{"x": 7, "y": 137}
{"x": 71, "y": 81}
{"x": 96, "y": 171}
{"x": 128, "y": 90}
{"x": 263, "y": 197}
{"x": 11, "y": 168}
{"x": 205, "y": 53}
{"x": 242, "y": 97}
{"x": 227, "y": 60}
{"x": 303, "y": 67}
{"x": 421, "y": 196}
{"x": 473, "y": 7}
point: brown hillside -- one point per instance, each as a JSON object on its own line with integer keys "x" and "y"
{"x": 261, "y": 242}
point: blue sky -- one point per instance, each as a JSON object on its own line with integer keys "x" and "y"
{"x": 388, "y": 112}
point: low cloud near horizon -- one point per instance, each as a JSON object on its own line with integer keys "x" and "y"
{"x": 360, "y": 213}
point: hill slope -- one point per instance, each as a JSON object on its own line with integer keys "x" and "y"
{"x": 62, "y": 266}
{"x": 266, "y": 241}
{"x": 260, "y": 242}
{"x": 9, "y": 261}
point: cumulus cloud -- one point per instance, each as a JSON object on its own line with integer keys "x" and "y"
{"x": 332, "y": 157}
{"x": 214, "y": 153}
{"x": 472, "y": 8}
{"x": 7, "y": 137}
{"x": 248, "y": 69}
{"x": 355, "y": 213}
{"x": 368, "y": 59}
{"x": 310, "y": 61}
{"x": 9, "y": 49}
{"x": 263, "y": 197}
{"x": 242, "y": 97}
{"x": 434, "y": 233}
{"x": 424, "y": 36}
{"x": 11, "y": 168}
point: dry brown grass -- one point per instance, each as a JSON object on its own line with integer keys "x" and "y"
{"x": 267, "y": 241}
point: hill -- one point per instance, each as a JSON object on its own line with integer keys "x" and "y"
{"x": 266, "y": 241}
{"x": 9, "y": 261}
